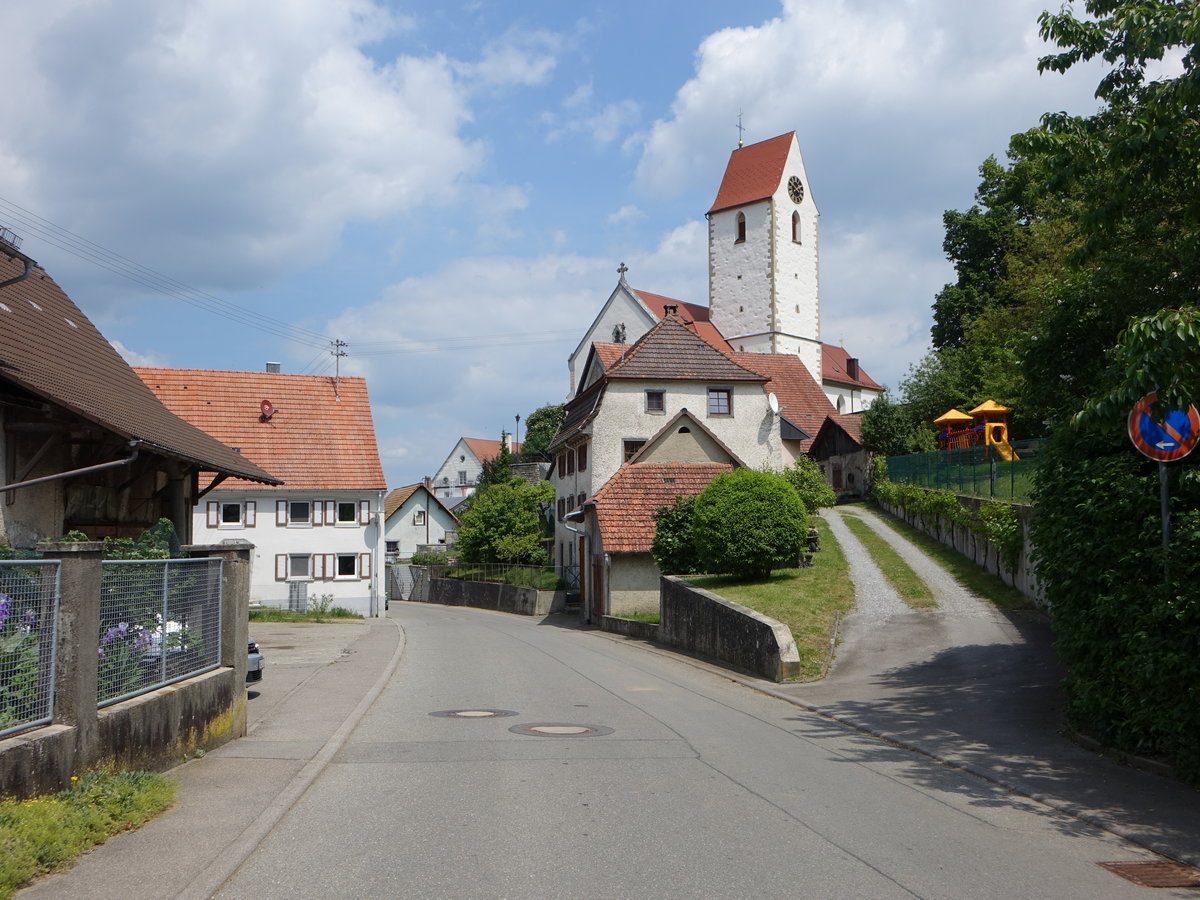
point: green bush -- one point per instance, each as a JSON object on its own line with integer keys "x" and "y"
{"x": 504, "y": 524}
{"x": 747, "y": 523}
{"x": 809, "y": 481}
{"x": 673, "y": 549}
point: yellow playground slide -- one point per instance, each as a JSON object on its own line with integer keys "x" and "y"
{"x": 1004, "y": 448}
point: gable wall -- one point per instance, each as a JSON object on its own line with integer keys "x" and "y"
{"x": 621, "y": 308}
{"x": 446, "y": 481}
{"x": 401, "y": 528}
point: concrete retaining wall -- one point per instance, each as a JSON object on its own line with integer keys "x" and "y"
{"x": 156, "y": 730}
{"x": 646, "y": 631}
{"x": 980, "y": 550}
{"x": 508, "y": 598}
{"x": 707, "y": 625}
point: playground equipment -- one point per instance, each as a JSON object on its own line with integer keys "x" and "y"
{"x": 986, "y": 424}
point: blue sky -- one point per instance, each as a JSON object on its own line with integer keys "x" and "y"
{"x": 449, "y": 188}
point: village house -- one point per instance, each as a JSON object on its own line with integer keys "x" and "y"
{"x": 415, "y": 519}
{"x": 457, "y": 476}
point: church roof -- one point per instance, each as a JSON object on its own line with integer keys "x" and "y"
{"x": 753, "y": 172}
{"x": 670, "y": 351}
{"x": 626, "y": 503}
{"x": 835, "y": 366}
{"x": 801, "y": 400}
{"x": 320, "y": 436}
{"x": 693, "y": 315}
{"x": 50, "y": 349}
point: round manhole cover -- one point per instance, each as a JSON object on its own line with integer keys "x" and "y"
{"x": 560, "y": 729}
{"x": 473, "y": 713}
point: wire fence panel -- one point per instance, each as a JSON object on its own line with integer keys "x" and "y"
{"x": 160, "y": 622}
{"x": 28, "y": 631}
{"x": 1003, "y": 473}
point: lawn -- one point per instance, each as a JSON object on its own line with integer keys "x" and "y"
{"x": 808, "y": 601}
{"x": 908, "y": 584}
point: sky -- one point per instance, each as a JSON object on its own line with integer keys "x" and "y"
{"x": 449, "y": 187}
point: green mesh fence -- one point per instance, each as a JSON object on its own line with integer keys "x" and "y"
{"x": 980, "y": 471}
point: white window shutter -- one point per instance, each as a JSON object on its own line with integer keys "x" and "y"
{"x": 318, "y": 566}
{"x": 281, "y": 566}
{"x": 364, "y": 565}
{"x": 330, "y": 566}
{"x": 318, "y": 513}
{"x": 280, "y": 512}
{"x": 331, "y": 512}
{"x": 214, "y": 514}
{"x": 251, "y": 513}
{"x": 364, "y": 512}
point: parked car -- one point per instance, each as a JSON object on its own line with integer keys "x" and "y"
{"x": 254, "y": 663}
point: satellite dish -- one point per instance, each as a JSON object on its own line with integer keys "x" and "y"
{"x": 773, "y": 402}
{"x": 267, "y": 409}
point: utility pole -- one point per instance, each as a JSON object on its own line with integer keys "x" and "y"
{"x": 338, "y": 353}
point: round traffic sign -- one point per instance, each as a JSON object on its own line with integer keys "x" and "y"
{"x": 1173, "y": 437}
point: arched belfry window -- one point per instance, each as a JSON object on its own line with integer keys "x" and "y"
{"x": 796, "y": 227}
{"x": 741, "y": 228}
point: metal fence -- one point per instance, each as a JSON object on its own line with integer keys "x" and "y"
{"x": 980, "y": 471}
{"x": 28, "y": 632}
{"x": 160, "y": 622}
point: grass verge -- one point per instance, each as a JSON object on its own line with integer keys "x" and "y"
{"x": 651, "y": 617}
{"x": 966, "y": 572}
{"x": 908, "y": 584}
{"x": 45, "y": 833}
{"x": 270, "y": 614}
{"x": 807, "y": 601}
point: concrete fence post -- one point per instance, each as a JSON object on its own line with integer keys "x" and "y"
{"x": 78, "y": 643}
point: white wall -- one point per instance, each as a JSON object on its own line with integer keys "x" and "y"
{"x": 448, "y": 483}
{"x": 271, "y": 540}
{"x": 402, "y": 527}
{"x": 620, "y": 309}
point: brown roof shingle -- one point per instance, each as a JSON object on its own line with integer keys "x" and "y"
{"x": 313, "y": 441}
{"x": 670, "y": 350}
{"x": 485, "y": 449}
{"x": 834, "y": 367}
{"x": 51, "y": 349}
{"x": 801, "y": 400}
{"x": 625, "y": 505}
{"x": 753, "y": 172}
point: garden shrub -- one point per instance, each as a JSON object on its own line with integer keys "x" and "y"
{"x": 673, "y": 548}
{"x": 746, "y": 523}
{"x": 809, "y": 481}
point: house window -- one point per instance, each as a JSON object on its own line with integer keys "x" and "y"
{"x": 656, "y": 401}
{"x": 720, "y": 402}
{"x": 462, "y": 476}
{"x": 299, "y": 566}
{"x": 419, "y": 517}
{"x": 581, "y": 455}
{"x": 796, "y": 227}
{"x": 562, "y": 464}
{"x": 347, "y": 512}
{"x": 231, "y": 514}
{"x": 570, "y": 454}
{"x": 631, "y": 448}
{"x": 562, "y": 508}
{"x": 299, "y": 512}
{"x": 741, "y": 228}
{"x": 347, "y": 565}
{"x": 392, "y": 546}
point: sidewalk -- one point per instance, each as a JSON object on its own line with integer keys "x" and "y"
{"x": 319, "y": 680}
{"x": 978, "y": 688}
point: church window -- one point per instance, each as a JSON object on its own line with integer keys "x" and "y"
{"x": 656, "y": 401}
{"x": 841, "y": 404}
{"x": 796, "y": 227}
{"x": 720, "y": 402}
{"x": 741, "y": 228}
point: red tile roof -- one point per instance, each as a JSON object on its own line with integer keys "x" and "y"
{"x": 670, "y": 351}
{"x": 609, "y": 353}
{"x": 753, "y": 172}
{"x": 485, "y": 449}
{"x": 49, "y": 348}
{"x": 397, "y": 498}
{"x": 801, "y": 400}
{"x": 313, "y": 441}
{"x": 834, "y": 368}
{"x": 625, "y": 505}
{"x": 851, "y": 424}
{"x": 694, "y": 316}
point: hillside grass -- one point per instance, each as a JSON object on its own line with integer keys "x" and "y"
{"x": 808, "y": 601}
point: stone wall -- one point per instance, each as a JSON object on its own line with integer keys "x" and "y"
{"x": 703, "y": 623}
{"x": 507, "y": 598}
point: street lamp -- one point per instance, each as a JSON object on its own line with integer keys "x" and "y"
{"x": 517, "y": 434}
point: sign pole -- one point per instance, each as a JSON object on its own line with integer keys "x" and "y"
{"x": 1164, "y": 492}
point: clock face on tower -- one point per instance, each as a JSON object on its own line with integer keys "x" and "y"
{"x": 795, "y": 189}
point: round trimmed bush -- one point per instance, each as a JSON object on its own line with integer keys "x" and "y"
{"x": 747, "y": 523}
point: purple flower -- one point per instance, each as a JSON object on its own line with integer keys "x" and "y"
{"x": 5, "y": 607}
{"x": 30, "y": 619}
{"x": 143, "y": 639}
{"x": 119, "y": 630}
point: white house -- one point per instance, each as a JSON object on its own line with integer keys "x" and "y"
{"x": 318, "y": 534}
{"x": 455, "y": 479}
{"x": 414, "y": 518}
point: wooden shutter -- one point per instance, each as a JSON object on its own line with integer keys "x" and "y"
{"x": 364, "y": 512}
{"x": 318, "y": 564}
{"x": 280, "y": 512}
{"x": 214, "y": 514}
{"x": 364, "y": 565}
{"x": 251, "y": 513}
{"x": 281, "y": 567}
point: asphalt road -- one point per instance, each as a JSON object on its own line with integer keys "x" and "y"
{"x": 692, "y": 785}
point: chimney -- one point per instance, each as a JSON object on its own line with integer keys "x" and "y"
{"x": 504, "y": 441}
{"x": 852, "y": 368}
{"x": 671, "y": 309}
{"x": 273, "y": 367}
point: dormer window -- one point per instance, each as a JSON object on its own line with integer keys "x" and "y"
{"x": 796, "y": 227}
{"x": 741, "y": 228}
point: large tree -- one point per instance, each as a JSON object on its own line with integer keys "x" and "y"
{"x": 540, "y": 428}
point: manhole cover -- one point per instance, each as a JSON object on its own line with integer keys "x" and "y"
{"x": 473, "y": 713}
{"x": 1157, "y": 874}
{"x": 561, "y": 729}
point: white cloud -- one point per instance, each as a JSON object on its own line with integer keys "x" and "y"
{"x": 518, "y": 57}
{"x": 627, "y": 213}
{"x": 134, "y": 358}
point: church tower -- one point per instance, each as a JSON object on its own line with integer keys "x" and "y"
{"x": 763, "y": 288}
